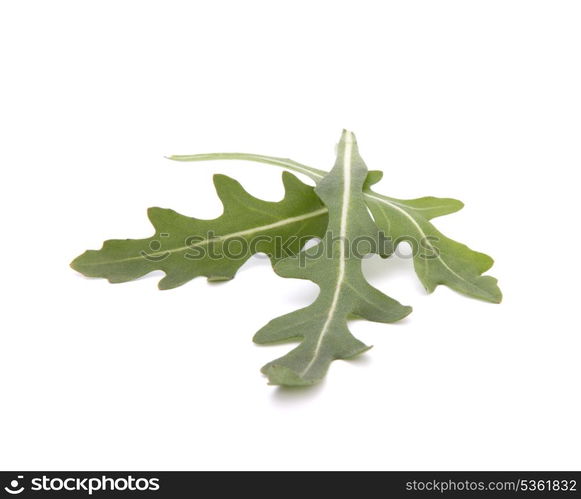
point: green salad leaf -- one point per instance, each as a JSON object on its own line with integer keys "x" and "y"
{"x": 335, "y": 266}
{"x": 185, "y": 247}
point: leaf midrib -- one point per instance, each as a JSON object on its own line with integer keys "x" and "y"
{"x": 245, "y": 232}
{"x": 343, "y": 222}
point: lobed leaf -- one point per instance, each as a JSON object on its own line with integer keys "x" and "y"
{"x": 185, "y": 247}
{"x": 336, "y": 269}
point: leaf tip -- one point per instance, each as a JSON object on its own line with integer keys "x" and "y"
{"x": 75, "y": 263}
{"x": 289, "y": 180}
{"x": 82, "y": 263}
{"x": 497, "y": 296}
{"x": 227, "y": 187}
{"x": 490, "y": 290}
{"x": 283, "y": 376}
{"x": 167, "y": 283}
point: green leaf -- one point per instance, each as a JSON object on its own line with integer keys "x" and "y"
{"x": 437, "y": 258}
{"x": 336, "y": 269}
{"x": 185, "y": 247}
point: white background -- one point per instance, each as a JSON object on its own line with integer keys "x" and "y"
{"x": 478, "y": 100}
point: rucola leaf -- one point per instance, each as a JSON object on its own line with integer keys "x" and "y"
{"x": 437, "y": 259}
{"x": 185, "y": 247}
{"x": 334, "y": 266}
